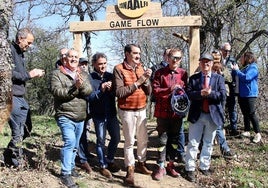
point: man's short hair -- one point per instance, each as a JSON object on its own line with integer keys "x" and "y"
{"x": 225, "y": 44}
{"x": 128, "y": 47}
{"x": 97, "y": 56}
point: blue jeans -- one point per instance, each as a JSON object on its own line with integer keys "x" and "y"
{"x": 222, "y": 140}
{"x": 101, "y": 126}
{"x": 71, "y": 132}
{"x": 181, "y": 141}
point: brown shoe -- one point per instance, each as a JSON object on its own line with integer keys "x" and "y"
{"x": 106, "y": 173}
{"x": 141, "y": 168}
{"x": 129, "y": 180}
{"x": 85, "y": 166}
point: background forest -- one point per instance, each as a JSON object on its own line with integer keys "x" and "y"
{"x": 242, "y": 23}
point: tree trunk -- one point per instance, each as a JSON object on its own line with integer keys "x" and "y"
{"x": 5, "y": 63}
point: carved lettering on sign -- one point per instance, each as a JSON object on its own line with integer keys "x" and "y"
{"x": 120, "y": 24}
{"x": 133, "y": 5}
{"x": 133, "y": 8}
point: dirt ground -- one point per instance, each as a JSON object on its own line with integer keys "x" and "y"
{"x": 43, "y": 170}
{"x": 42, "y": 167}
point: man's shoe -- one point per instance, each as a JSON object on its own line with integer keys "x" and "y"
{"x": 129, "y": 179}
{"x": 159, "y": 174}
{"x": 207, "y": 172}
{"x": 234, "y": 133}
{"x": 68, "y": 181}
{"x": 257, "y": 138}
{"x": 90, "y": 155}
{"x": 113, "y": 167}
{"x": 141, "y": 168}
{"x": 74, "y": 173}
{"x": 246, "y": 134}
{"x": 2, "y": 160}
{"x": 106, "y": 173}
{"x": 228, "y": 154}
{"x": 171, "y": 171}
{"x": 190, "y": 176}
{"x": 85, "y": 166}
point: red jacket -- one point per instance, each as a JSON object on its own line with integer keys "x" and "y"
{"x": 164, "y": 79}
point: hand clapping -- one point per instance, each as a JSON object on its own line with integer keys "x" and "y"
{"x": 37, "y": 73}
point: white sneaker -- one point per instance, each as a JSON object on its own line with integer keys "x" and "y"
{"x": 257, "y": 138}
{"x": 246, "y": 134}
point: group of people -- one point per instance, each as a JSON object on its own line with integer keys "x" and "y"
{"x": 81, "y": 95}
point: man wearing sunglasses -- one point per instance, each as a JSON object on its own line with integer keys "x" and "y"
{"x": 169, "y": 124}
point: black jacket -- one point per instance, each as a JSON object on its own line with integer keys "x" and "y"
{"x": 19, "y": 72}
{"x": 102, "y": 104}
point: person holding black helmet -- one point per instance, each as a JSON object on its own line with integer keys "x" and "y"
{"x": 169, "y": 124}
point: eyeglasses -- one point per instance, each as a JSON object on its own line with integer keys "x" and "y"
{"x": 227, "y": 51}
{"x": 175, "y": 58}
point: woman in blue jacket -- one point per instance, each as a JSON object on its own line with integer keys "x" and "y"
{"x": 248, "y": 93}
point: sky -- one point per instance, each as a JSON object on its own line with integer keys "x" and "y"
{"x": 97, "y": 41}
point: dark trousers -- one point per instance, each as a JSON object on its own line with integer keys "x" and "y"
{"x": 248, "y": 108}
{"x": 169, "y": 131}
{"x": 20, "y": 125}
{"x": 232, "y": 111}
{"x": 83, "y": 152}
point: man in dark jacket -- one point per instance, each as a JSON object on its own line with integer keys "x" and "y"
{"x": 20, "y": 119}
{"x": 228, "y": 61}
{"x": 207, "y": 92}
{"x": 70, "y": 86}
{"x": 103, "y": 112}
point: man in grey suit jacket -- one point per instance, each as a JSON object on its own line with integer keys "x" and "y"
{"x": 204, "y": 119}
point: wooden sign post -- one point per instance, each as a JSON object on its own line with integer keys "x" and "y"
{"x": 152, "y": 18}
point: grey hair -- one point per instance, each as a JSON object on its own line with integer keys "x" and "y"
{"x": 23, "y": 33}
{"x": 225, "y": 44}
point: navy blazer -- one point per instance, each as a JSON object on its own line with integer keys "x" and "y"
{"x": 215, "y": 99}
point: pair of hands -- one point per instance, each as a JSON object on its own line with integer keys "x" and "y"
{"x": 206, "y": 91}
{"x": 143, "y": 79}
{"x": 37, "y": 73}
{"x": 234, "y": 66}
{"x": 79, "y": 80}
{"x": 106, "y": 86}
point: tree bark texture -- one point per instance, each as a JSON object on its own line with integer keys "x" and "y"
{"x": 5, "y": 63}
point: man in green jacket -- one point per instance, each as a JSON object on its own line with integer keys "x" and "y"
{"x": 69, "y": 86}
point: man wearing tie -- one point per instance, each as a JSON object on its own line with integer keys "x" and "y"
{"x": 206, "y": 91}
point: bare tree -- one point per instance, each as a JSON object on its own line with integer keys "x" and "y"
{"x": 83, "y": 10}
{"x": 239, "y": 22}
{"x": 5, "y": 63}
